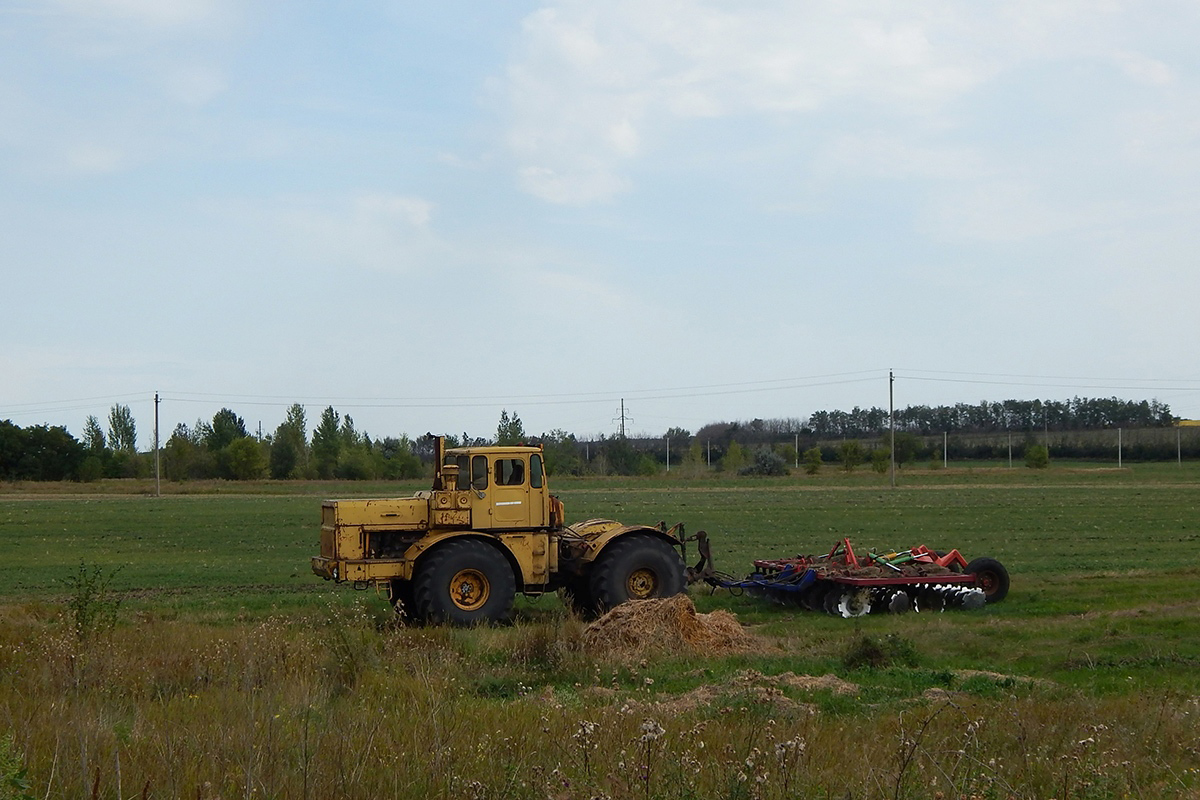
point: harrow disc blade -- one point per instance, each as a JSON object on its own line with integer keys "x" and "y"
{"x": 854, "y": 602}
{"x": 900, "y": 603}
{"x": 973, "y": 599}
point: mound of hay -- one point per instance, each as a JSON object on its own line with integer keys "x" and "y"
{"x": 668, "y": 624}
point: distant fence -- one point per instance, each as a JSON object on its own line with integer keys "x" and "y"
{"x": 1117, "y": 445}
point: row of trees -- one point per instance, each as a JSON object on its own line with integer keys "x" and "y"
{"x": 1079, "y": 413}
{"x": 223, "y": 448}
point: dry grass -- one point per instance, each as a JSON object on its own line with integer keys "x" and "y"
{"x": 336, "y": 705}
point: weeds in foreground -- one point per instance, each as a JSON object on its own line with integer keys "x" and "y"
{"x": 336, "y": 705}
{"x": 92, "y": 607}
{"x": 14, "y": 778}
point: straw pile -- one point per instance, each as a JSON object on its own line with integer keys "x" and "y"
{"x": 667, "y": 624}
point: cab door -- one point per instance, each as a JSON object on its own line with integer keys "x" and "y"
{"x": 539, "y": 508}
{"x": 510, "y": 492}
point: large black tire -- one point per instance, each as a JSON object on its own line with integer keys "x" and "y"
{"x": 400, "y": 595}
{"x": 577, "y": 596}
{"x": 464, "y": 582}
{"x": 991, "y": 577}
{"x": 637, "y": 566}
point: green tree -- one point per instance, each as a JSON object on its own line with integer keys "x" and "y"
{"x": 881, "y": 460}
{"x": 734, "y": 459}
{"x": 561, "y": 452}
{"x": 289, "y": 445}
{"x": 122, "y": 430}
{"x": 180, "y": 455}
{"x": 850, "y": 453}
{"x": 226, "y": 427}
{"x": 678, "y": 439}
{"x": 396, "y": 459}
{"x": 812, "y": 460}
{"x": 326, "y": 443}
{"x": 511, "y": 430}
{"x": 350, "y": 437}
{"x": 694, "y": 463}
{"x": 244, "y": 460}
{"x": 93, "y": 435}
{"x": 1037, "y": 456}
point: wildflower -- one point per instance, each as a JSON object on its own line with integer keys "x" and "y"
{"x": 651, "y": 730}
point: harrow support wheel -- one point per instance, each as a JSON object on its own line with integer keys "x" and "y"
{"x": 991, "y": 577}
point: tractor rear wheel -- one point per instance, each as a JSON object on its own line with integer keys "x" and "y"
{"x": 400, "y": 595}
{"x": 464, "y": 582}
{"x": 636, "y": 566}
{"x": 991, "y": 577}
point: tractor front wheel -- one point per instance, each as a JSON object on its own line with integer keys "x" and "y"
{"x": 991, "y": 577}
{"x": 636, "y": 566}
{"x": 464, "y": 582}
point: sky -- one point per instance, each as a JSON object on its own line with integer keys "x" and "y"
{"x": 424, "y": 213}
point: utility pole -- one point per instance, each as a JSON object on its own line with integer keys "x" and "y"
{"x": 892, "y": 420}
{"x": 797, "y": 451}
{"x": 157, "y": 460}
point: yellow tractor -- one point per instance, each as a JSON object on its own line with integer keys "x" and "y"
{"x": 490, "y": 528}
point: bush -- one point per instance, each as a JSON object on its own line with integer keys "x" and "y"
{"x": 850, "y": 454}
{"x": 93, "y": 609}
{"x": 812, "y": 460}
{"x": 867, "y": 651}
{"x": 1037, "y": 456}
{"x": 766, "y": 462}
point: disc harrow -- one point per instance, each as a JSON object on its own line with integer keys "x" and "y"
{"x": 849, "y": 584}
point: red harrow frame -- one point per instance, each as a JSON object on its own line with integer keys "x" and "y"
{"x": 850, "y": 584}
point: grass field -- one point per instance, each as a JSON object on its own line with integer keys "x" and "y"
{"x": 230, "y": 671}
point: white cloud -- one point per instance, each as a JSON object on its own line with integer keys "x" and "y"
{"x": 1009, "y": 209}
{"x": 591, "y": 87}
{"x": 194, "y": 84}
{"x": 93, "y": 159}
{"x": 591, "y": 84}
{"x": 160, "y": 14}
{"x": 369, "y": 230}
{"x": 1144, "y": 69}
{"x": 888, "y": 155}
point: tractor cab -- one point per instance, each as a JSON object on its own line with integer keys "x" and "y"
{"x": 504, "y": 487}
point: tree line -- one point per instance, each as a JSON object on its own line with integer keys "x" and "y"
{"x": 223, "y": 448}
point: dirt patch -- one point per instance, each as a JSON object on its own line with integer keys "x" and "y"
{"x": 669, "y": 624}
{"x": 746, "y": 687}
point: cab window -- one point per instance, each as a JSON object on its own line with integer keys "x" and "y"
{"x": 479, "y": 473}
{"x": 509, "y": 472}
{"x": 464, "y": 473}
{"x": 535, "y": 471}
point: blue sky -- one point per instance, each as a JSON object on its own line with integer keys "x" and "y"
{"x": 422, "y": 213}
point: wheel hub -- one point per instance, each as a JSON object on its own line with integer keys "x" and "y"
{"x": 469, "y": 589}
{"x": 641, "y": 583}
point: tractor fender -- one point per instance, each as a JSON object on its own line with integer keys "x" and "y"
{"x": 523, "y": 570}
{"x": 596, "y": 534}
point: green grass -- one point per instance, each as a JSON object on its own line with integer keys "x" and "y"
{"x": 232, "y": 671}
